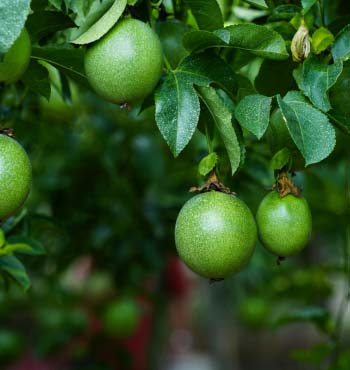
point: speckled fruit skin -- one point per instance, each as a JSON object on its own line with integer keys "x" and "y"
{"x": 121, "y": 318}
{"x": 15, "y": 176}
{"x": 284, "y": 224}
{"x": 125, "y": 65}
{"x": 16, "y": 60}
{"x": 215, "y": 234}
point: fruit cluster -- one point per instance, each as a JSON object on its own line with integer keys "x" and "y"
{"x": 216, "y": 233}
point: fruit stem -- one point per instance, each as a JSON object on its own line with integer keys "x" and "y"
{"x": 7, "y": 131}
{"x": 285, "y": 185}
{"x": 212, "y": 183}
{"x": 167, "y": 64}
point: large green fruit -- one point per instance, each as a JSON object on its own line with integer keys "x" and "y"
{"x": 278, "y": 137}
{"x": 284, "y": 224}
{"x": 125, "y": 65}
{"x": 16, "y": 60}
{"x": 215, "y": 234}
{"x": 121, "y": 318}
{"x": 15, "y": 176}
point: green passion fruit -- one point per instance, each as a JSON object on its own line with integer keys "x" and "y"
{"x": 284, "y": 224}
{"x": 16, "y": 60}
{"x": 121, "y": 317}
{"x": 15, "y": 176}
{"x": 125, "y": 65}
{"x": 215, "y": 234}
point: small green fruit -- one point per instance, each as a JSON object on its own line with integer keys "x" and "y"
{"x": 15, "y": 176}
{"x": 121, "y": 318}
{"x": 125, "y": 65}
{"x": 284, "y": 224}
{"x": 215, "y": 234}
{"x": 16, "y": 60}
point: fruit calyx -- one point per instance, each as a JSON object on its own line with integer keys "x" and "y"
{"x": 284, "y": 185}
{"x": 212, "y": 183}
{"x": 7, "y": 132}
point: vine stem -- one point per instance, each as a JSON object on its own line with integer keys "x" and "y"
{"x": 207, "y": 136}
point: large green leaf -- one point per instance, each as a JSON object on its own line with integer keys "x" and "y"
{"x": 253, "y": 113}
{"x": 43, "y": 23}
{"x": 309, "y": 128}
{"x": 13, "y": 14}
{"x": 315, "y": 78}
{"x": 177, "y": 104}
{"x": 258, "y": 3}
{"x": 223, "y": 122}
{"x": 258, "y": 40}
{"x": 207, "y": 13}
{"x": 14, "y": 268}
{"x": 67, "y": 59}
{"x": 307, "y": 5}
{"x": 88, "y": 32}
{"x": 341, "y": 46}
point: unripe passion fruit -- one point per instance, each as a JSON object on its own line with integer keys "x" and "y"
{"x": 284, "y": 224}
{"x": 16, "y": 60}
{"x": 215, "y": 234}
{"x": 121, "y": 317}
{"x": 15, "y": 176}
{"x": 125, "y": 65}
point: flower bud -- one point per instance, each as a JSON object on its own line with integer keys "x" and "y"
{"x": 300, "y": 46}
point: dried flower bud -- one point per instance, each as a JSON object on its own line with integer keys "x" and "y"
{"x": 301, "y": 44}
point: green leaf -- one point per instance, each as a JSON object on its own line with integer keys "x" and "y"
{"x": 315, "y": 78}
{"x": 322, "y": 39}
{"x": 258, "y": 40}
{"x": 307, "y": 5}
{"x": 44, "y": 23}
{"x": 14, "y": 268}
{"x": 253, "y": 113}
{"x": 33, "y": 247}
{"x": 309, "y": 128}
{"x": 200, "y": 40}
{"x": 177, "y": 104}
{"x": 36, "y": 78}
{"x": 223, "y": 122}
{"x": 258, "y": 3}
{"x": 88, "y": 32}
{"x": 281, "y": 159}
{"x": 341, "y": 46}
{"x": 342, "y": 122}
{"x": 207, "y": 13}
{"x": 13, "y": 15}
{"x": 207, "y": 163}
{"x": 12, "y": 248}
{"x": 66, "y": 59}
